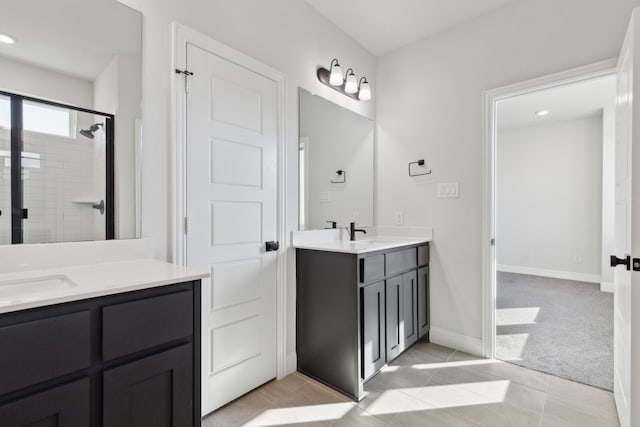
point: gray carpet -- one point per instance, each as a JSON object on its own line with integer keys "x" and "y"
{"x": 561, "y": 327}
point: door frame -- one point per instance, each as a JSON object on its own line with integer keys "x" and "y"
{"x": 490, "y": 99}
{"x": 182, "y": 36}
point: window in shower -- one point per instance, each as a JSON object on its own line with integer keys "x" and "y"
{"x": 57, "y": 174}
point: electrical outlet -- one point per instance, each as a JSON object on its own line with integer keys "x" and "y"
{"x": 399, "y": 218}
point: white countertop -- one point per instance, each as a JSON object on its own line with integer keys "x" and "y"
{"x": 88, "y": 281}
{"x": 378, "y": 243}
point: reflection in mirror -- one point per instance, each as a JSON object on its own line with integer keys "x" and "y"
{"x": 70, "y": 92}
{"x": 335, "y": 165}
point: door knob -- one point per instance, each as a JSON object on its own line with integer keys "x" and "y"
{"x": 615, "y": 261}
{"x": 272, "y": 246}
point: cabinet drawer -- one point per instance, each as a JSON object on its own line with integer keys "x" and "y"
{"x": 371, "y": 268}
{"x": 37, "y": 351}
{"x": 423, "y": 255}
{"x": 396, "y": 262}
{"x": 138, "y": 325}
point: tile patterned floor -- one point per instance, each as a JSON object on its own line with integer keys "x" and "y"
{"x": 429, "y": 385}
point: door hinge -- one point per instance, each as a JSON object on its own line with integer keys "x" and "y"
{"x": 186, "y": 74}
{"x": 186, "y": 225}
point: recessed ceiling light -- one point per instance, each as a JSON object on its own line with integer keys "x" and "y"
{"x": 6, "y": 39}
{"x": 542, "y": 113}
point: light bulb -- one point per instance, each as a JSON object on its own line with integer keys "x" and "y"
{"x": 335, "y": 79}
{"x": 351, "y": 84}
{"x": 365, "y": 90}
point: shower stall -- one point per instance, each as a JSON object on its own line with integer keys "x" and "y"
{"x": 56, "y": 172}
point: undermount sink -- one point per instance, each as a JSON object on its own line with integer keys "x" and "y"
{"x": 369, "y": 242}
{"x": 23, "y": 289}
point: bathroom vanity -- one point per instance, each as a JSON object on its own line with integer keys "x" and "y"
{"x": 114, "y": 344}
{"x": 359, "y": 306}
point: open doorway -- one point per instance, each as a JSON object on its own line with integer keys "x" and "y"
{"x": 554, "y": 229}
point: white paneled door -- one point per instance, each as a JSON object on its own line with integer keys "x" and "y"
{"x": 231, "y": 163}
{"x": 627, "y": 211}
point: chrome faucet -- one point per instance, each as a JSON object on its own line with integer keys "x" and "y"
{"x": 353, "y": 230}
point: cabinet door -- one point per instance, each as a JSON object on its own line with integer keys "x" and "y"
{"x": 156, "y": 391}
{"x": 409, "y": 326}
{"x": 63, "y": 406}
{"x": 423, "y": 302}
{"x": 393, "y": 303}
{"x": 373, "y": 348}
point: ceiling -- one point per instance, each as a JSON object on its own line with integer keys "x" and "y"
{"x": 382, "y": 26}
{"x": 75, "y": 37}
{"x": 563, "y": 103}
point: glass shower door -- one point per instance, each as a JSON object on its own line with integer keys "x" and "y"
{"x": 5, "y": 170}
{"x": 63, "y": 174}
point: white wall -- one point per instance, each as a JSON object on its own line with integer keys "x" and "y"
{"x": 549, "y": 199}
{"x": 287, "y": 35}
{"x": 608, "y": 195}
{"x": 337, "y": 139}
{"x": 27, "y": 79}
{"x": 117, "y": 91}
{"x": 430, "y": 106}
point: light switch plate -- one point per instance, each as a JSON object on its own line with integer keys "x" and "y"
{"x": 448, "y": 190}
{"x": 325, "y": 196}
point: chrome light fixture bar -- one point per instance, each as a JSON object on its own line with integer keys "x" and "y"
{"x": 347, "y": 85}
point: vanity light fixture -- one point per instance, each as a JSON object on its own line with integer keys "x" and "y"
{"x": 335, "y": 73}
{"x": 7, "y": 39}
{"x": 364, "y": 91}
{"x": 542, "y": 113}
{"x": 351, "y": 82}
{"x": 347, "y": 85}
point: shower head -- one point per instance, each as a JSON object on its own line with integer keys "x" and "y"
{"x": 90, "y": 133}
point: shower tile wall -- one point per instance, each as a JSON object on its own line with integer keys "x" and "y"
{"x": 58, "y": 173}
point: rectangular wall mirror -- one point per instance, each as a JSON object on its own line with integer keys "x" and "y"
{"x": 70, "y": 94}
{"x": 335, "y": 164}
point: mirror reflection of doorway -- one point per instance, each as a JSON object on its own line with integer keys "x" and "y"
{"x": 56, "y": 172}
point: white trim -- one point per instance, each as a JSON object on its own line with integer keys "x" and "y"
{"x": 455, "y": 340}
{"x": 490, "y": 99}
{"x": 181, "y": 36}
{"x": 556, "y": 274}
{"x": 292, "y": 362}
{"x": 607, "y": 287}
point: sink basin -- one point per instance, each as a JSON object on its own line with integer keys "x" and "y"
{"x": 33, "y": 287}
{"x": 369, "y": 242}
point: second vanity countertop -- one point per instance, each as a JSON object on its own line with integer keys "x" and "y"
{"x": 376, "y": 243}
{"x": 37, "y": 288}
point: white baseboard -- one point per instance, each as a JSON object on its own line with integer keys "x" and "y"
{"x": 607, "y": 286}
{"x": 556, "y": 274}
{"x": 291, "y": 364}
{"x": 456, "y": 341}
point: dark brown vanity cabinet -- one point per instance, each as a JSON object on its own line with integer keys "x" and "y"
{"x": 131, "y": 359}
{"x": 355, "y": 313}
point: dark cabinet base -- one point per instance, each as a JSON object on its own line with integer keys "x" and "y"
{"x": 91, "y": 375}
{"x": 355, "y": 313}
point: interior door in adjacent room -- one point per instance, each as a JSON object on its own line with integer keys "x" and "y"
{"x": 627, "y": 207}
{"x": 231, "y": 172}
